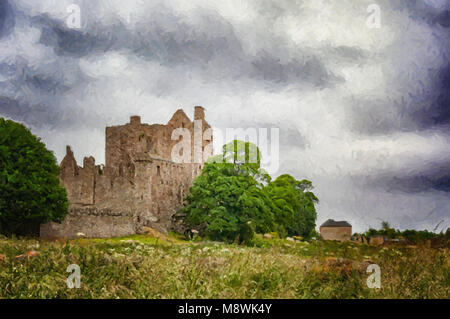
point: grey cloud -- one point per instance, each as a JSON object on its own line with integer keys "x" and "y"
{"x": 435, "y": 106}
{"x": 289, "y": 135}
{"x": 347, "y": 54}
{"x": 33, "y": 94}
{"x": 216, "y": 46}
{"x": 207, "y": 47}
{"x": 48, "y": 116}
{"x": 415, "y": 111}
{"x": 74, "y": 42}
{"x": 32, "y": 115}
{"x": 310, "y": 71}
{"x": 422, "y": 11}
{"x": 274, "y": 10}
{"x": 50, "y": 80}
{"x": 7, "y": 20}
{"x": 431, "y": 176}
{"x": 378, "y": 117}
{"x": 444, "y": 19}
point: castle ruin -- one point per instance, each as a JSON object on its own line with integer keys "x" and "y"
{"x": 139, "y": 186}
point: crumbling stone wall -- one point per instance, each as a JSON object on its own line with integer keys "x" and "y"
{"x": 91, "y": 222}
{"x": 138, "y": 186}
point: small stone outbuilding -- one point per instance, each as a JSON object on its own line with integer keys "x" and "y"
{"x": 377, "y": 240}
{"x": 336, "y": 230}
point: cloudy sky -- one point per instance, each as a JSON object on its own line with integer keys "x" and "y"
{"x": 363, "y": 112}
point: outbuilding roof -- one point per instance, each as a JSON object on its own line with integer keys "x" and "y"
{"x": 333, "y": 223}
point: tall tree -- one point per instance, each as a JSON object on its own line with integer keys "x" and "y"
{"x": 296, "y": 213}
{"x": 233, "y": 198}
{"x": 228, "y": 201}
{"x": 30, "y": 192}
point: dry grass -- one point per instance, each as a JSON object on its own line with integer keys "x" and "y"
{"x": 148, "y": 267}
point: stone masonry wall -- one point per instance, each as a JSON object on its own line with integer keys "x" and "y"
{"x": 336, "y": 233}
{"x": 91, "y": 223}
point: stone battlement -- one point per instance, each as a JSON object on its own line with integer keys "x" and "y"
{"x": 138, "y": 186}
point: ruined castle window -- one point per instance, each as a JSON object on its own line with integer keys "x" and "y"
{"x": 158, "y": 171}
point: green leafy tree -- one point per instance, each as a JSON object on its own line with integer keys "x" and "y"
{"x": 228, "y": 204}
{"x": 233, "y": 198}
{"x": 30, "y": 192}
{"x": 228, "y": 200}
{"x": 296, "y": 213}
{"x": 245, "y": 156}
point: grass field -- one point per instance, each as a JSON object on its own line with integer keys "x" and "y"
{"x": 147, "y": 267}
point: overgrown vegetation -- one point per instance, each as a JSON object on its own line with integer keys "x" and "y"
{"x": 234, "y": 198}
{"x": 146, "y": 267}
{"x": 408, "y": 235}
{"x": 30, "y": 192}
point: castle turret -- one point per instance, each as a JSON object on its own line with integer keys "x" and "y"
{"x": 135, "y": 120}
{"x": 68, "y": 166}
{"x": 199, "y": 113}
{"x": 89, "y": 162}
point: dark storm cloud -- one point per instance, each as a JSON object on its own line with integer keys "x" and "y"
{"x": 208, "y": 46}
{"x": 33, "y": 94}
{"x": 347, "y": 54}
{"x": 6, "y": 18}
{"x": 250, "y": 71}
{"x": 24, "y": 77}
{"x": 194, "y": 46}
{"x": 49, "y": 116}
{"x": 375, "y": 117}
{"x": 32, "y": 115}
{"x": 417, "y": 110}
{"x": 443, "y": 19}
{"x": 311, "y": 71}
{"x": 430, "y": 177}
{"x": 422, "y": 11}
{"x": 423, "y": 108}
{"x": 420, "y": 183}
{"x": 436, "y": 110}
{"x": 73, "y": 42}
